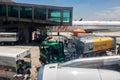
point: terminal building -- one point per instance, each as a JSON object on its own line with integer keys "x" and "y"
{"x": 26, "y": 18}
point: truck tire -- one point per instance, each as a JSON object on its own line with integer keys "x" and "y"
{"x": 43, "y": 60}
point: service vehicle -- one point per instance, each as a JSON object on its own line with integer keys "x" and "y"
{"x": 9, "y": 38}
{"x": 97, "y": 68}
{"x": 14, "y": 61}
{"x": 75, "y": 47}
{"x": 51, "y": 51}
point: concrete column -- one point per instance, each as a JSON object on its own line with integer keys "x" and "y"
{"x": 26, "y": 34}
{"x": 30, "y": 34}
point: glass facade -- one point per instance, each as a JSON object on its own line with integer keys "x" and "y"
{"x": 2, "y": 10}
{"x": 66, "y": 16}
{"x": 54, "y": 15}
{"x": 43, "y": 13}
{"x": 12, "y": 11}
{"x": 26, "y": 12}
{"x": 40, "y": 13}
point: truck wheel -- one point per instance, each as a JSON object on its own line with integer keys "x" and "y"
{"x": 12, "y": 43}
{"x": 43, "y": 60}
{"x": 118, "y": 52}
{"x": 101, "y": 53}
{"x": 2, "y": 43}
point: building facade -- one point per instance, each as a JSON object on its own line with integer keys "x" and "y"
{"x": 51, "y": 15}
{"x": 25, "y": 18}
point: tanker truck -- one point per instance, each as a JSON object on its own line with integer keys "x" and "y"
{"x": 52, "y": 51}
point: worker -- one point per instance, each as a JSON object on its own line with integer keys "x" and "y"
{"x": 35, "y": 36}
{"x": 20, "y": 70}
{"x": 20, "y": 66}
{"x": 18, "y": 62}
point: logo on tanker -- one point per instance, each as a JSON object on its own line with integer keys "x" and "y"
{"x": 91, "y": 47}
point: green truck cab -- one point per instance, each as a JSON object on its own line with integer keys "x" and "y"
{"x": 51, "y": 51}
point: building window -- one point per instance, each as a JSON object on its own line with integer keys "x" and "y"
{"x": 12, "y": 11}
{"x": 26, "y": 12}
{"x": 2, "y": 10}
{"x": 54, "y": 15}
{"x": 66, "y": 16}
{"x": 40, "y": 13}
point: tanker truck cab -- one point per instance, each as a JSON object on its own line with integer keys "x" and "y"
{"x": 51, "y": 51}
{"x": 14, "y": 61}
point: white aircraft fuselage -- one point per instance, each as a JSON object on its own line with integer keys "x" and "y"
{"x": 113, "y": 25}
{"x": 98, "y": 68}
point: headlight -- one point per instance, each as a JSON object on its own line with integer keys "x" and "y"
{"x": 40, "y": 73}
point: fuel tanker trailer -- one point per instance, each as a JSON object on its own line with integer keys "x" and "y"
{"x": 88, "y": 46}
